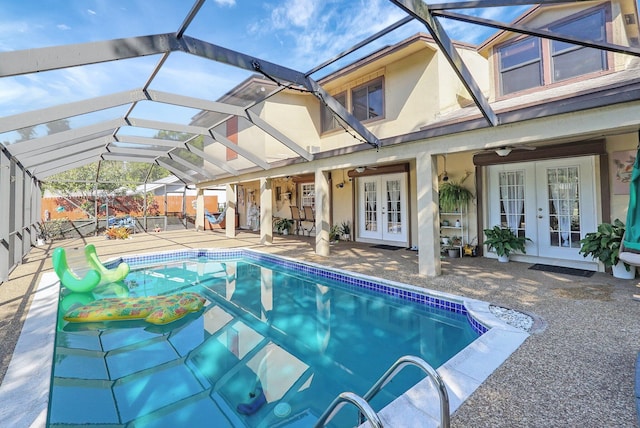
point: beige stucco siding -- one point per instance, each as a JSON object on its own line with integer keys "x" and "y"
{"x": 619, "y": 143}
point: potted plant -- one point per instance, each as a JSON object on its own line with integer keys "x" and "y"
{"x": 345, "y": 230}
{"x": 504, "y": 242}
{"x": 452, "y": 251}
{"x": 604, "y": 245}
{"x": 41, "y": 236}
{"x": 117, "y": 233}
{"x": 283, "y": 225}
{"x": 453, "y": 196}
{"x": 334, "y": 233}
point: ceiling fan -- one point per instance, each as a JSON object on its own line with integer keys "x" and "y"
{"x": 505, "y": 150}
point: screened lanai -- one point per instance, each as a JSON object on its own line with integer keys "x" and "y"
{"x": 160, "y": 87}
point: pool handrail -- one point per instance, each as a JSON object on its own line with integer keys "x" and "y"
{"x": 412, "y": 360}
{"x": 349, "y": 397}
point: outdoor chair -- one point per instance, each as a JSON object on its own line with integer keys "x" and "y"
{"x": 297, "y": 219}
{"x": 212, "y": 219}
{"x": 310, "y": 215}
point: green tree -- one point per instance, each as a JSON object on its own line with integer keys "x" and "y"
{"x": 26, "y": 133}
{"x": 112, "y": 177}
{"x": 58, "y": 126}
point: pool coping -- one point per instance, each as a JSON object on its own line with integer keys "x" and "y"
{"x": 24, "y": 391}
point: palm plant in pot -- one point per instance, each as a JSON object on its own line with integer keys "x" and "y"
{"x": 604, "y": 245}
{"x": 504, "y": 242}
{"x": 283, "y": 225}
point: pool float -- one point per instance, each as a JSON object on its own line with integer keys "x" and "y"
{"x": 68, "y": 278}
{"x": 107, "y": 275}
{"x": 155, "y": 310}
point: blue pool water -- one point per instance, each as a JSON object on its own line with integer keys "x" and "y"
{"x": 275, "y": 343}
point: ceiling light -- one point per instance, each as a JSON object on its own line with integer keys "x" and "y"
{"x": 503, "y": 151}
{"x": 360, "y": 169}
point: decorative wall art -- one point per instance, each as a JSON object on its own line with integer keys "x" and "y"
{"x": 622, "y": 166}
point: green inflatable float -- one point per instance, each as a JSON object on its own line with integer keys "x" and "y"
{"x": 97, "y": 275}
{"x": 107, "y": 275}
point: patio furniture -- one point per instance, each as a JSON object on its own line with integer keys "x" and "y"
{"x": 212, "y": 219}
{"x": 297, "y": 219}
{"x": 310, "y": 215}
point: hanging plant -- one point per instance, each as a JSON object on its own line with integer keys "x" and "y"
{"x": 453, "y": 196}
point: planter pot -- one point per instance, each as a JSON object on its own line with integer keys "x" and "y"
{"x": 285, "y": 232}
{"x": 503, "y": 258}
{"x": 454, "y": 252}
{"x": 619, "y": 271}
{"x": 40, "y": 242}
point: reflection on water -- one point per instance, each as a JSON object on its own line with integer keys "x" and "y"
{"x": 270, "y": 348}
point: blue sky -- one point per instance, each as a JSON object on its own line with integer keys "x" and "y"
{"x": 295, "y": 33}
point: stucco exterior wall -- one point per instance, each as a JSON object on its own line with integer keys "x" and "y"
{"x": 342, "y": 198}
{"x": 452, "y": 93}
{"x": 619, "y": 146}
{"x": 296, "y": 115}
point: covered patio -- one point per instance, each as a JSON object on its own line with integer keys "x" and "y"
{"x": 572, "y": 371}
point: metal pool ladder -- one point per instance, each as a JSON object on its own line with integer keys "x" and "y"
{"x": 362, "y": 403}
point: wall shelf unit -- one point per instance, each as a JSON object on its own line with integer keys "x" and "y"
{"x": 454, "y": 230}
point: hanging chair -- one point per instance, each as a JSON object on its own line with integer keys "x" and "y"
{"x": 212, "y": 219}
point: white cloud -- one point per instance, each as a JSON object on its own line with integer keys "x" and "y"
{"x": 313, "y": 31}
{"x": 297, "y": 13}
{"x": 228, "y": 3}
{"x": 91, "y": 12}
{"x": 63, "y": 27}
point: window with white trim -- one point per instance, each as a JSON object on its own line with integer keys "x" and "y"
{"x": 307, "y": 194}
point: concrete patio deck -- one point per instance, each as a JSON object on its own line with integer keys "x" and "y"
{"x": 578, "y": 370}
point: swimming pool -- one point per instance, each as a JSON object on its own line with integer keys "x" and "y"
{"x": 245, "y": 335}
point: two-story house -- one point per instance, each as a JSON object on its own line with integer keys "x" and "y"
{"x": 553, "y": 168}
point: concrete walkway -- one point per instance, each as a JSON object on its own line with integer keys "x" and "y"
{"x": 578, "y": 370}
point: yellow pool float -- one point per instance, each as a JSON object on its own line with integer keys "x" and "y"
{"x": 155, "y": 310}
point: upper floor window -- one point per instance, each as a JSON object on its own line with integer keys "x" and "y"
{"x": 569, "y": 60}
{"x": 329, "y": 120}
{"x": 520, "y": 65}
{"x": 368, "y": 100}
{"x": 532, "y": 62}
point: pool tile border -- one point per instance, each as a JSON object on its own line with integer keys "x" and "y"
{"x": 349, "y": 279}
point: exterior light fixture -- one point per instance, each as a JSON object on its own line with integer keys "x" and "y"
{"x": 503, "y": 151}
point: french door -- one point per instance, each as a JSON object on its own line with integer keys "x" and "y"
{"x": 382, "y": 208}
{"x": 550, "y": 202}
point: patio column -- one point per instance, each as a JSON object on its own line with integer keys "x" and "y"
{"x": 266, "y": 212}
{"x": 428, "y": 215}
{"x": 230, "y": 216}
{"x": 199, "y": 221}
{"x": 323, "y": 211}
